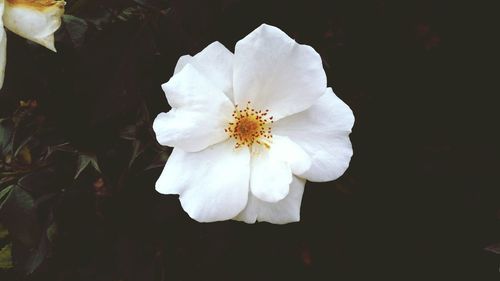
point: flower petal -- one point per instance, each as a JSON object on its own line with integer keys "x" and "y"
{"x": 3, "y": 46}
{"x": 274, "y": 72}
{"x": 34, "y": 20}
{"x": 281, "y": 212}
{"x": 272, "y": 168}
{"x": 323, "y": 132}
{"x": 215, "y": 62}
{"x": 182, "y": 62}
{"x": 212, "y": 183}
{"x": 270, "y": 177}
{"x": 284, "y": 148}
{"x": 3, "y": 55}
{"x": 199, "y": 112}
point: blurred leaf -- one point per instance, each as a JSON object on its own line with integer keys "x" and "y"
{"x": 17, "y": 213}
{"x": 25, "y": 154}
{"x": 159, "y": 161}
{"x": 42, "y": 200}
{"x": 153, "y": 4}
{"x": 78, "y": 5}
{"x": 136, "y": 131}
{"x": 65, "y": 147}
{"x": 3, "y": 231}
{"x": 76, "y": 28}
{"x": 139, "y": 133}
{"x": 6, "y": 257}
{"x": 38, "y": 256}
{"x": 129, "y": 132}
{"x": 22, "y": 145}
{"x": 3, "y": 194}
{"x": 52, "y": 232}
{"x": 44, "y": 181}
{"x": 100, "y": 18}
{"x": 20, "y": 217}
{"x": 83, "y": 161}
{"x": 23, "y": 200}
{"x": 6, "y": 130}
{"x": 137, "y": 149}
{"x": 7, "y": 181}
{"x": 495, "y": 248}
{"x": 130, "y": 13}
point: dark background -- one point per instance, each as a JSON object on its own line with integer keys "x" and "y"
{"x": 420, "y": 200}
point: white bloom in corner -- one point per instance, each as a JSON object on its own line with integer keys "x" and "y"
{"x": 35, "y": 20}
{"x": 249, "y": 128}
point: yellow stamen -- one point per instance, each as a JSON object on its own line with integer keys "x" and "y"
{"x": 250, "y": 127}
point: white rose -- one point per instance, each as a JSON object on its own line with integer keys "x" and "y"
{"x": 249, "y": 128}
{"x": 35, "y": 20}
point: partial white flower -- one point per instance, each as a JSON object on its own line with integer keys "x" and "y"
{"x": 35, "y": 20}
{"x": 249, "y": 128}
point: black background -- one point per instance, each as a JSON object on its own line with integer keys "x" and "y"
{"x": 420, "y": 200}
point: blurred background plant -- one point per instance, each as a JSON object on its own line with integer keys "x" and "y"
{"x": 41, "y": 174}
{"x": 48, "y": 183}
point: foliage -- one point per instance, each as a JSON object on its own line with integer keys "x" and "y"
{"x": 38, "y": 168}
{"x": 41, "y": 170}
{"x": 6, "y": 257}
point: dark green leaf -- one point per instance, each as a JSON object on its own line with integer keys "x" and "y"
{"x": 18, "y": 215}
{"x": 38, "y": 256}
{"x": 6, "y": 131}
{"x": 52, "y": 232}
{"x": 153, "y": 4}
{"x": 78, "y": 5}
{"x": 44, "y": 181}
{"x": 19, "y": 148}
{"x": 76, "y": 28}
{"x": 137, "y": 149}
{"x": 100, "y": 18}
{"x": 64, "y": 147}
{"x": 22, "y": 198}
{"x": 159, "y": 161}
{"x": 3, "y": 194}
{"x": 3, "y": 231}
{"x": 6, "y": 257}
{"x": 130, "y": 12}
{"x": 6, "y": 181}
{"x": 85, "y": 160}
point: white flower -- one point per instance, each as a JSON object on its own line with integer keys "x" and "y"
{"x": 36, "y": 20}
{"x": 249, "y": 128}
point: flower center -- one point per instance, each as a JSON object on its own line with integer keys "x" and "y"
{"x": 250, "y": 126}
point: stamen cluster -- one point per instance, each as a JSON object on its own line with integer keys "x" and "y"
{"x": 250, "y": 127}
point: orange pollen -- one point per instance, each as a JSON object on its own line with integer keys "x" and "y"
{"x": 250, "y": 127}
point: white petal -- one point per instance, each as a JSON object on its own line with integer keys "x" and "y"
{"x": 215, "y": 62}
{"x": 212, "y": 183}
{"x": 3, "y": 53}
{"x": 323, "y": 132}
{"x": 270, "y": 176}
{"x": 34, "y": 20}
{"x": 284, "y": 148}
{"x": 274, "y": 72}
{"x": 272, "y": 168}
{"x": 199, "y": 112}
{"x": 281, "y": 212}
{"x": 182, "y": 62}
